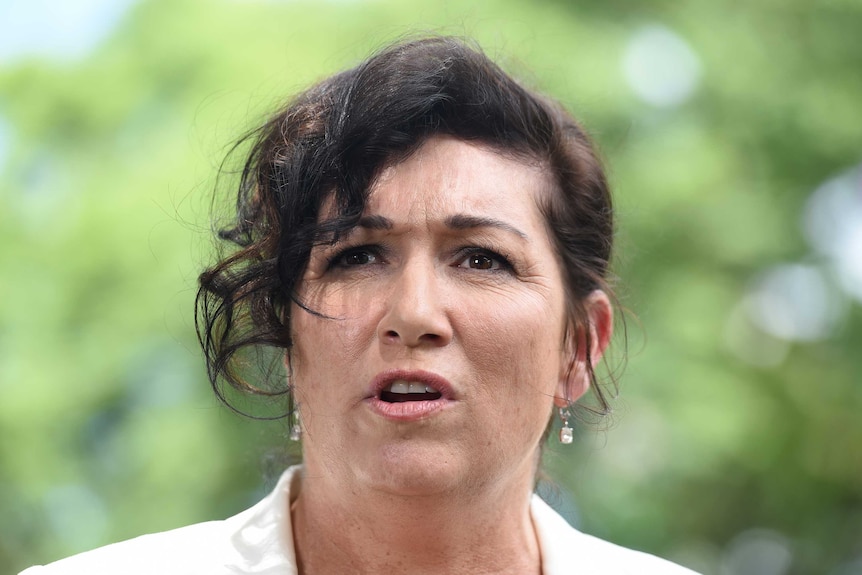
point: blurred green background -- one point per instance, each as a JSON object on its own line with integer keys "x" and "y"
{"x": 733, "y": 137}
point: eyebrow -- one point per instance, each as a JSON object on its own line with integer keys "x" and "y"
{"x": 465, "y": 222}
{"x": 456, "y": 222}
{"x": 376, "y": 223}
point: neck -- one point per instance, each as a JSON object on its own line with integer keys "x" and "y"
{"x": 364, "y": 531}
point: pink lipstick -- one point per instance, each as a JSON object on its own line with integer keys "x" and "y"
{"x": 409, "y": 395}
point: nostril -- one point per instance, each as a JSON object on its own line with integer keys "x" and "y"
{"x": 427, "y": 337}
{"x": 413, "y": 326}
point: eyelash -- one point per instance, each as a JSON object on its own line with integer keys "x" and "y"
{"x": 336, "y": 261}
{"x": 472, "y": 251}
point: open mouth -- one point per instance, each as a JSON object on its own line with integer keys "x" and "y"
{"x": 402, "y": 390}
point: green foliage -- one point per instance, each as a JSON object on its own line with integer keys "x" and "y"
{"x": 108, "y": 428}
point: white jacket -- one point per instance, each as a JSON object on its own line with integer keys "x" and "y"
{"x": 259, "y": 541}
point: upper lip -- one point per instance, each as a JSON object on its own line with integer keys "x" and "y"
{"x": 385, "y": 378}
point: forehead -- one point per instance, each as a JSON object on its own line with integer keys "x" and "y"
{"x": 447, "y": 176}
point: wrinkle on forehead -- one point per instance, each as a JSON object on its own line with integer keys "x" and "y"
{"x": 435, "y": 185}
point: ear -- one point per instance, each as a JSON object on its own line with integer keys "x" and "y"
{"x": 574, "y": 380}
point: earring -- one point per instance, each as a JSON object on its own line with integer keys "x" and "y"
{"x": 296, "y": 428}
{"x": 566, "y": 435}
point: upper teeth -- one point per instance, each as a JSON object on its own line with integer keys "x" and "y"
{"x": 403, "y": 386}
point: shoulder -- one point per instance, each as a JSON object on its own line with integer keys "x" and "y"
{"x": 257, "y": 540}
{"x": 566, "y": 550}
{"x": 168, "y": 552}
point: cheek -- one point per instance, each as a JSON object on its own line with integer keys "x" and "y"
{"x": 342, "y": 321}
{"x": 516, "y": 343}
{"x": 341, "y": 300}
{"x": 326, "y": 349}
{"x": 516, "y": 361}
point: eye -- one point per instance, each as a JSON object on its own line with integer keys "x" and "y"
{"x": 481, "y": 262}
{"x": 484, "y": 260}
{"x": 357, "y": 258}
{"x": 352, "y": 257}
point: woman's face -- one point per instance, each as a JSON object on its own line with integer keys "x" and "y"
{"x": 439, "y": 366}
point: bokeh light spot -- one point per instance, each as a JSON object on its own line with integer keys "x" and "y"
{"x": 660, "y": 67}
{"x": 794, "y": 302}
{"x": 57, "y": 30}
{"x": 832, "y": 223}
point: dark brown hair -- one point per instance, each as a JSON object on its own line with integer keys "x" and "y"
{"x": 334, "y": 139}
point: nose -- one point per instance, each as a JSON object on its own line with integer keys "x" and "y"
{"x": 416, "y": 311}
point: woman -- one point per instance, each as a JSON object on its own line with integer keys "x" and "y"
{"x": 426, "y": 244}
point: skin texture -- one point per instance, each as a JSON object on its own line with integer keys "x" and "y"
{"x": 480, "y": 303}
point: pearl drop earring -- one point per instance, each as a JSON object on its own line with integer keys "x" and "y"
{"x": 566, "y": 435}
{"x": 296, "y": 428}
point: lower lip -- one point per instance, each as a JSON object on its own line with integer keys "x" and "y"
{"x": 407, "y": 410}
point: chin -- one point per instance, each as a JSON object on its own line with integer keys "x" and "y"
{"x": 407, "y": 468}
